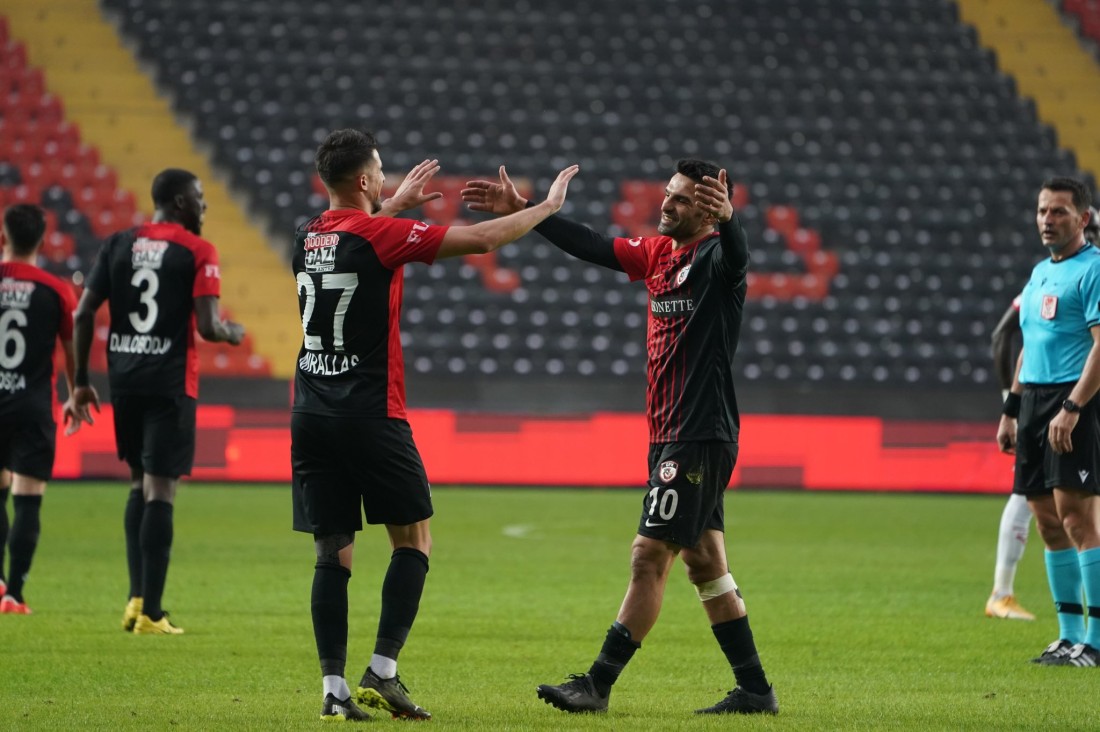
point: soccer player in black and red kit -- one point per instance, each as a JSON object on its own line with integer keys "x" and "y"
{"x": 350, "y": 442}
{"x": 161, "y": 280}
{"x": 696, "y": 277}
{"x": 36, "y": 309}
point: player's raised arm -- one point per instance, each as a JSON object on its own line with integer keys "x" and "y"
{"x": 410, "y": 194}
{"x": 487, "y": 236}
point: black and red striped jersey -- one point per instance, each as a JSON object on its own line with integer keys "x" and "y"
{"x": 348, "y": 267}
{"x": 696, "y": 302}
{"x": 150, "y": 276}
{"x": 36, "y": 309}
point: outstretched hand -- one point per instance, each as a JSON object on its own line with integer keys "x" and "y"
{"x": 496, "y": 198}
{"x": 556, "y": 196}
{"x": 410, "y": 194}
{"x": 713, "y": 196}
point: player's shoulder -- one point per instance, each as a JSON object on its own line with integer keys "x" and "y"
{"x": 173, "y": 233}
{"x": 32, "y": 273}
{"x": 646, "y": 243}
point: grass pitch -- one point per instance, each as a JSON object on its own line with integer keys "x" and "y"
{"x": 867, "y": 610}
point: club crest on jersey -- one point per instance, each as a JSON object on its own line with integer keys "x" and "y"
{"x": 682, "y": 275}
{"x": 667, "y": 471}
{"x": 635, "y": 242}
{"x": 148, "y": 253}
{"x": 1049, "y": 308}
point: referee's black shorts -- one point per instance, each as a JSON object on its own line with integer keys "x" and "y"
{"x": 341, "y": 463}
{"x": 1039, "y": 470}
{"x": 156, "y": 434}
{"x": 28, "y": 444}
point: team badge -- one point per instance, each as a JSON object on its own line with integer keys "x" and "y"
{"x": 1050, "y": 307}
{"x": 667, "y": 471}
{"x": 635, "y": 242}
{"x": 682, "y": 275}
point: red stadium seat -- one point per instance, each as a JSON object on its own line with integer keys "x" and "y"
{"x": 58, "y": 247}
{"x": 783, "y": 219}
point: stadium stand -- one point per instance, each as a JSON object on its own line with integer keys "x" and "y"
{"x": 885, "y": 164}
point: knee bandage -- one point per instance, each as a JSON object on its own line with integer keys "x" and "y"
{"x": 716, "y": 587}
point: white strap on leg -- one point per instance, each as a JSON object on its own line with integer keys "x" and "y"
{"x": 716, "y": 587}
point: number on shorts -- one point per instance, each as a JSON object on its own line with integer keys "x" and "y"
{"x": 663, "y": 504}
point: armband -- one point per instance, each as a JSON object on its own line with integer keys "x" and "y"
{"x": 1011, "y": 406}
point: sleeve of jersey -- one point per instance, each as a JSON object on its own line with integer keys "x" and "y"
{"x": 633, "y": 256}
{"x": 735, "y": 246}
{"x": 400, "y": 241}
{"x": 68, "y": 305}
{"x": 208, "y": 276}
{"x": 579, "y": 241}
{"x": 1090, "y": 294}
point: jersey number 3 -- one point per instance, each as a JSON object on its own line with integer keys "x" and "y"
{"x": 346, "y": 282}
{"x": 148, "y": 284}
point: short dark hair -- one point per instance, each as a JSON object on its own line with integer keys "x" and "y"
{"x": 696, "y": 169}
{"x": 25, "y": 225}
{"x": 170, "y": 183}
{"x": 343, "y": 154}
{"x": 1082, "y": 196}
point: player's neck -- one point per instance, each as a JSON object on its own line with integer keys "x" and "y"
{"x": 1069, "y": 250}
{"x": 696, "y": 237}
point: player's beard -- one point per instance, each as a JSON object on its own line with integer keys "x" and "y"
{"x": 375, "y": 206}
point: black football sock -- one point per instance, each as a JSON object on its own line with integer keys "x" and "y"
{"x": 735, "y": 639}
{"x": 329, "y": 607}
{"x": 135, "y": 509}
{"x": 25, "y": 528}
{"x": 401, "y": 591}
{"x": 4, "y": 526}
{"x": 156, "y": 548}
{"x": 618, "y": 649}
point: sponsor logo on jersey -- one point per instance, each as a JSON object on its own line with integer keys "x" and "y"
{"x": 142, "y": 344}
{"x": 671, "y": 306}
{"x": 320, "y": 241}
{"x": 211, "y": 272}
{"x": 147, "y": 253}
{"x": 320, "y": 252}
{"x": 15, "y": 294}
{"x": 326, "y": 364}
{"x": 667, "y": 471}
{"x": 418, "y": 228}
{"x": 682, "y": 275}
{"x": 12, "y": 381}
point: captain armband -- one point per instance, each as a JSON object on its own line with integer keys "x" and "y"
{"x": 716, "y": 587}
{"x": 1011, "y": 406}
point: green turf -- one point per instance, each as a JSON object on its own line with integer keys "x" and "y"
{"x": 867, "y": 610}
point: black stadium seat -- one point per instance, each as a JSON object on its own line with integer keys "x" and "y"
{"x": 882, "y": 123}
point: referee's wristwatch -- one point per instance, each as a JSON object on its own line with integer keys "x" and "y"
{"x": 1071, "y": 406}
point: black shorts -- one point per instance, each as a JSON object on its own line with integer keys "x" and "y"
{"x": 28, "y": 445}
{"x": 156, "y": 434}
{"x": 341, "y": 463}
{"x": 687, "y": 487}
{"x": 1039, "y": 470}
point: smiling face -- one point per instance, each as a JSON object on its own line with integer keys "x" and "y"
{"x": 681, "y": 217}
{"x": 1060, "y": 223}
